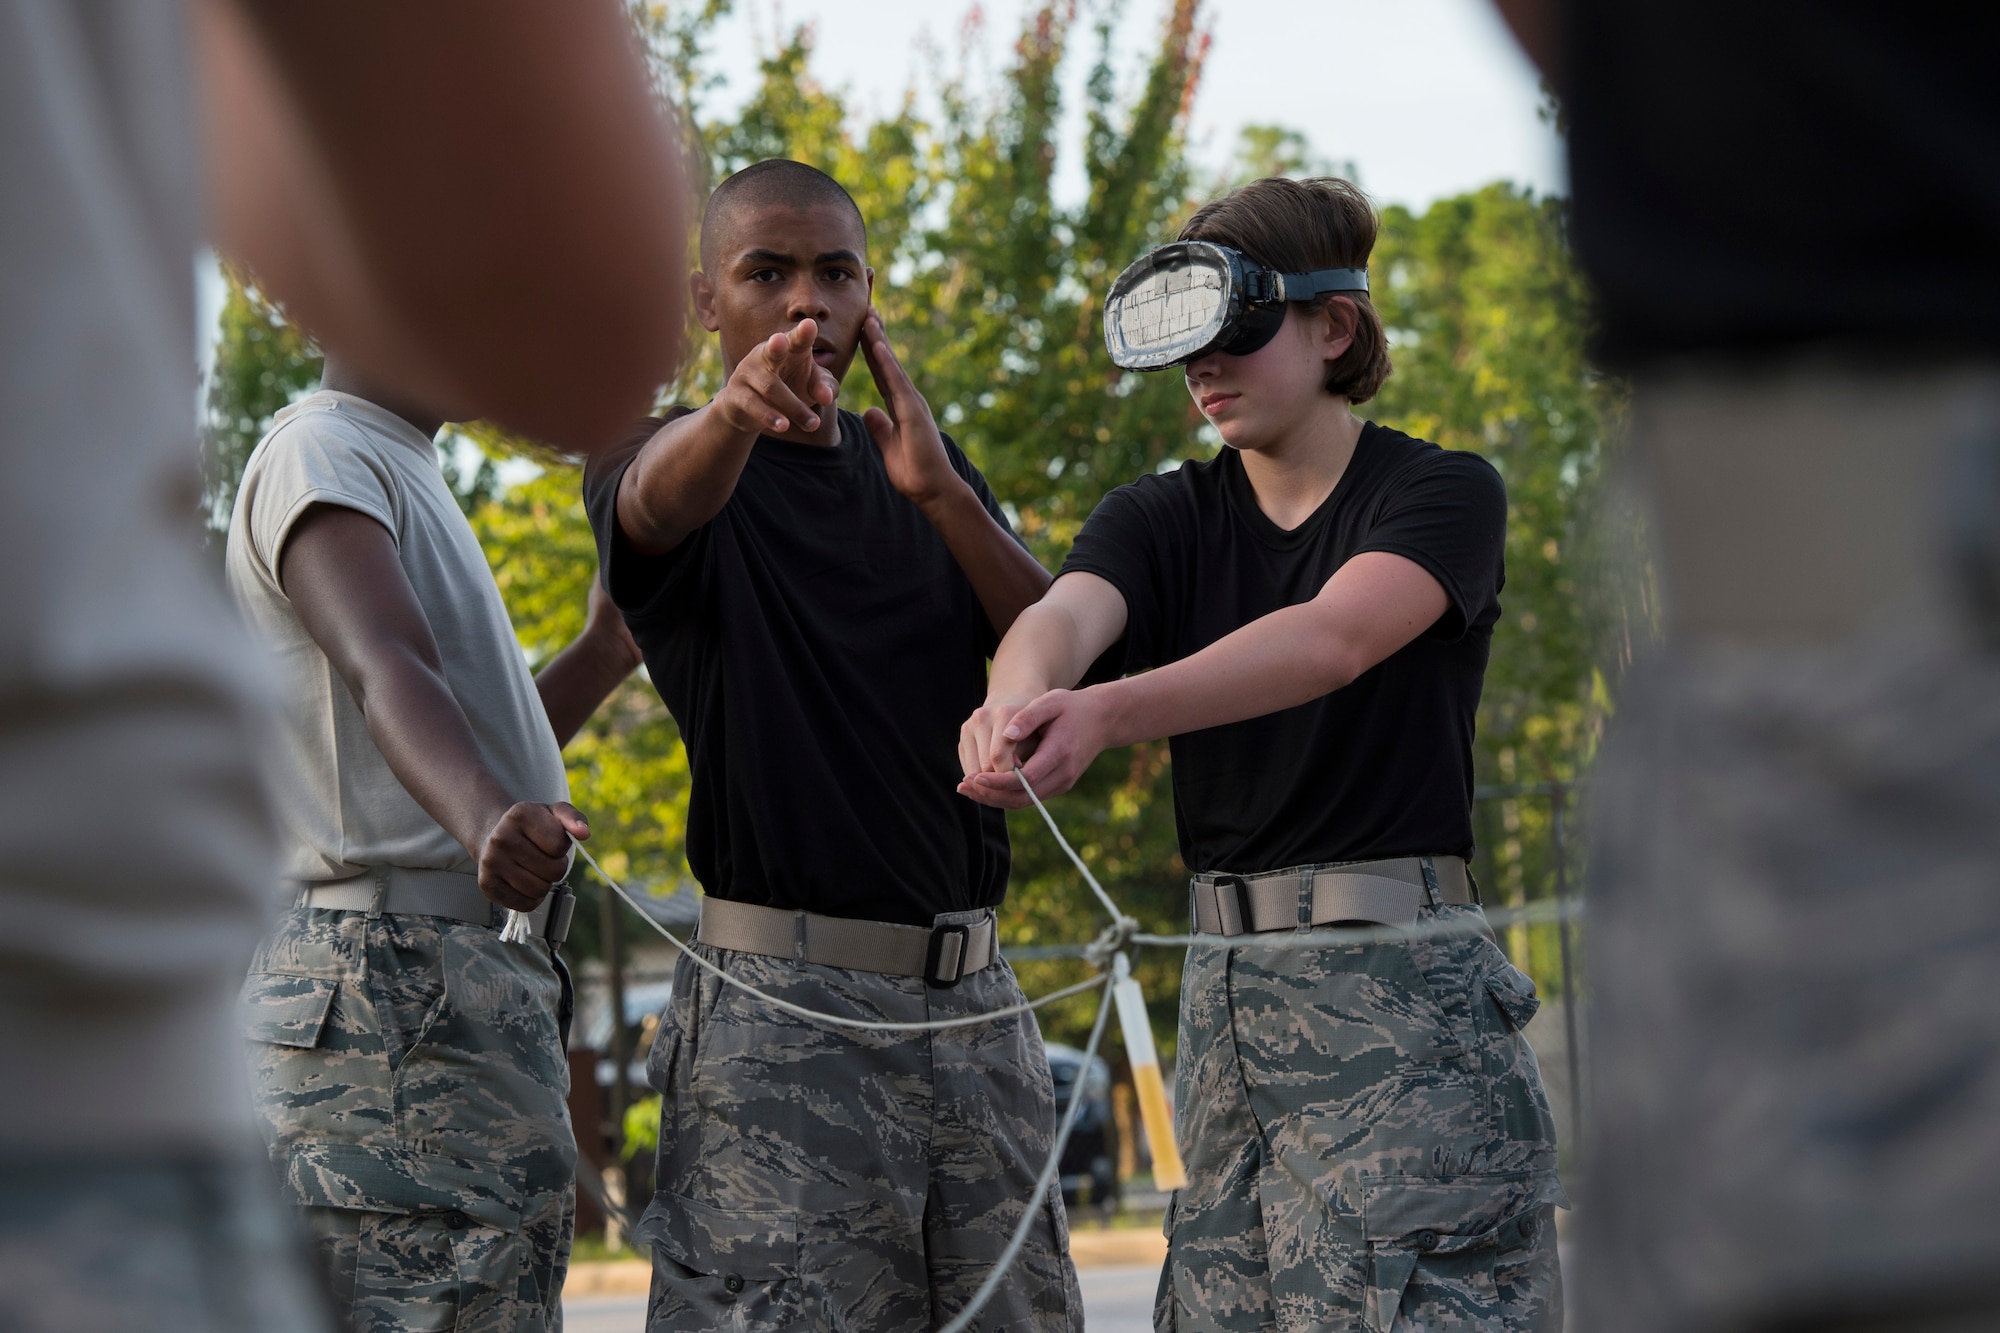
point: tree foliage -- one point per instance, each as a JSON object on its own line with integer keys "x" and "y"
{"x": 261, "y": 364}
{"x": 991, "y": 289}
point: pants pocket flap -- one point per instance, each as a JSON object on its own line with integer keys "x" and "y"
{"x": 1447, "y": 1216}
{"x": 1514, "y": 992}
{"x": 761, "y": 1246}
{"x": 396, "y": 1180}
{"x": 285, "y": 1010}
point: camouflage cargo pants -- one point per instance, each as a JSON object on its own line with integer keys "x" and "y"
{"x": 411, "y": 1082}
{"x": 816, "y": 1178}
{"x": 115, "y": 1242}
{"x": 1795, "y": 932}
{"x": 1368, "y": 1145}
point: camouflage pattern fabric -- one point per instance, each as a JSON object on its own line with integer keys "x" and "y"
{"x": 411, "y": 1082}
{"x": 1368, "y": 1145}
{"x": 111, "y": 1243}
{"x": 1794, "y": 938}
{"x": 813, "y": 1178}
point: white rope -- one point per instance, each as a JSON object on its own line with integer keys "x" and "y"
{"x": 816, "y": 1016}
{"x": 1070, "y": 852}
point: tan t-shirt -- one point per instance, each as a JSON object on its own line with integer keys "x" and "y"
{"x": 343, "y": 808}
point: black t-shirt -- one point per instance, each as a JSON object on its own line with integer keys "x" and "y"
{"x": 1760, "y": 176}
{"x": 1381, "y": 768}
{"x": 819, "y": 648}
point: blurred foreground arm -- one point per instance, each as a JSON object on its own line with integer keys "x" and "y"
{"x": 1534, "y": 23}
{"x": 477, "y": 201}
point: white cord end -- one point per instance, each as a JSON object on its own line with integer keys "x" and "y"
{"x": 518, "y": 929}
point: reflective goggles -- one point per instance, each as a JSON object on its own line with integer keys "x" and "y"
{"x": 1190, "y": 298}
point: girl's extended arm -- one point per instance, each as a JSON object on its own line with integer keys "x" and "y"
{"x": 1372, "y": 606}
{"x": 1049, "y": 646}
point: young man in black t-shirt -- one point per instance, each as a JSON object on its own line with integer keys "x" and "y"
{"x": 816, "y": 594}
{"x": 1365, "y": 1129}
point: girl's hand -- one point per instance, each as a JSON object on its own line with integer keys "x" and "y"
{"x": 981, "y": 747}
{"x": 1054, "y": 738}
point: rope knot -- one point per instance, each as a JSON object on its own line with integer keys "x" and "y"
{"x": 1111, "y": 940}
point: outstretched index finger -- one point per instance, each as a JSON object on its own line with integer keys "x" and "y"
{"x": 789, "y": 354}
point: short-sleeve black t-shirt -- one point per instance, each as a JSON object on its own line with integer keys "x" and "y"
{"x": 819, "y": 648}
{"x": 1381, "y": 768}
{"x": 1753, "y": 178}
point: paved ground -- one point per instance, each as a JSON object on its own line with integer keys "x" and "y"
{"x": 1115, "y": 1300}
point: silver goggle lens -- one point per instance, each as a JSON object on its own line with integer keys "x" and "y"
{"x": 1167, "y": 307}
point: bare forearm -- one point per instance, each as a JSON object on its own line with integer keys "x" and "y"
{"x": 1005, "y": 578}
{"x": 580, "y": 678}
{"x": 420, "y": 729}
{"x": 1043, "y": 651}
{"x": 681, "y": 479}
{"x": 1279, "y": 661}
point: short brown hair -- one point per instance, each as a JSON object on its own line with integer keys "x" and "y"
{"x": 1296, "y": 226}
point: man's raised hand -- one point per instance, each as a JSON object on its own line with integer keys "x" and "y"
{"x": 912, "y": 450}
{"x": 527, "y": 853}
{"x": 778, "y": 388}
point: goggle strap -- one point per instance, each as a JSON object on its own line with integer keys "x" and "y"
{"x": 1305, "y": 286}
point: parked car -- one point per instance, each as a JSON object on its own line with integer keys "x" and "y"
{"x": 1090, "y": 1158}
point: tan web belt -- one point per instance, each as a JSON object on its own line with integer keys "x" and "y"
{"x": 1387, "y": 893}
{"x": 940, "y": 954}
{"x": 454, "y": 894}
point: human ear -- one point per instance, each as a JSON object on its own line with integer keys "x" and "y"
{"x": 701, "y": 288}
{"x": 1339, "y": 319}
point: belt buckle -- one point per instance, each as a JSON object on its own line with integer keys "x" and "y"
{"x": 1245, "y": 919}
{"x": 935, "y": 955}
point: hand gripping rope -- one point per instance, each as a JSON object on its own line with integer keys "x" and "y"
{"x": 1116, "y": 983}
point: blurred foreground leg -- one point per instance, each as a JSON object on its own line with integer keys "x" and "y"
{"x": 1796, "y": 915}
{"x": 109, "y": 1242}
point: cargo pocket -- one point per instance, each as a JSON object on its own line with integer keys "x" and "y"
{"x": 441, "y": 1244}
{"x": 717, "y": 1269}
{"x": 1434, "y": 1249}
{"x": 1513, "y": 993}
{"x": 284, "y": 1010}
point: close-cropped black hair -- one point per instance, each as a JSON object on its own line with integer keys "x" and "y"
{"x": 1297, "y": 226}
{"x": 776, "y": 182}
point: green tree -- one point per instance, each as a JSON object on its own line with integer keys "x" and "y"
{"x": 1488, "y": 313}
{"x": 261, "y": 364}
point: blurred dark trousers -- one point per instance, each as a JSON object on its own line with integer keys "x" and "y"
{"x": 1795, "y": 883}
{"x": 106, "y": 1243}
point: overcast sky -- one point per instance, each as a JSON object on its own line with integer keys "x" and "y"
{"x": 1426, "y": 97}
